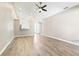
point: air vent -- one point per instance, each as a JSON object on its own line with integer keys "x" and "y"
{"x": 66, "y": 8}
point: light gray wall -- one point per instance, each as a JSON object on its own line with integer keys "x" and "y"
{"x": 64, "y": 25}
{"x": 6, "y": 26}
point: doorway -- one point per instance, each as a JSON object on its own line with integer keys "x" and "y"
{"x": 38, "y": 28}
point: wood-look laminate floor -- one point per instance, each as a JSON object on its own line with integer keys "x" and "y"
{"x": 41, "y": 46}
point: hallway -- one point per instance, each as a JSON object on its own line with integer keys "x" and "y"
{"x": 41, "y": 46}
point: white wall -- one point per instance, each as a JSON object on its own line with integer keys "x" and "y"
{"x": 6, "y": 26}
{"x": 64, "y": 25}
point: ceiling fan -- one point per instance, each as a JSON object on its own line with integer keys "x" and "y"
{"x": 41, "y": 8}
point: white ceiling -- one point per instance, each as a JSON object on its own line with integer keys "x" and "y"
{"x": 27, "y": 9}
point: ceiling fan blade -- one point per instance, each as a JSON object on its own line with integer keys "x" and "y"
{"x": 37, "y": 5}
{"x": 44, "y": 6}
{"x": 44, "y": 9}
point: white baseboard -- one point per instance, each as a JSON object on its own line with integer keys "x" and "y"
{"x": 23, "y": 35}
{"x": 70, "y": 42}
{"x": 42, "y": 35}
{"x": 5, "y": 47}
